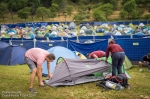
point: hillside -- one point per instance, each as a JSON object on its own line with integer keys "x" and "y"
{"x": 115, "y": 16}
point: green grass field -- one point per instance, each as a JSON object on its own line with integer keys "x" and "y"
{"x": 15, "y": 83}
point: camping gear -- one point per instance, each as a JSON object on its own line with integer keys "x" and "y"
{"x": 118, "y": 82}
{"x": 58, "y": 51}
{"x": 77, "y": 71}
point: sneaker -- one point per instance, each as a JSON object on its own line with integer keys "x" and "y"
{"x": 31, "y": 90}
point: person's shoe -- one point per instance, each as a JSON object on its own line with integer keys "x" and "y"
{"x": 31, "y": 90}
{"x": 141, "y": 70}
{"x": 149, "y": 69}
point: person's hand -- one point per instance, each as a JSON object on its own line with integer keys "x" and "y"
{"x": 50, "y": 75}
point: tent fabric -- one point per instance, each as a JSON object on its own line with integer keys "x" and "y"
{"x": 3, "y": 45}
{"x": 12, "y": 55}
{"x": 58, "y": 51}
{"x": 82, "y": 56}
{"x": 126, "y": 64}
{"x": 76, "y": 71}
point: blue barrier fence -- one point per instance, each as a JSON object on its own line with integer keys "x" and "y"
{"x": 39, "y": 24}
{"x": 134, "y": 47}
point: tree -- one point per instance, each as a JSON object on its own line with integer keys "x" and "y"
{"x": 107, "y": 9}
{"x": 24, "y": 13}
{"x": 148, "y": 6}
{"x": 114, "y": 3}
{"x": 16, "y": 5}
{"x": 123, "y": 15}
{"x": 42, "y": 12}
{"x": 124, "y": 1}
{"x": 134, "y": 14}
{"x": 53, "y": 10}
{"x": 129, "y": 7}
{"x": 3, "y": 10}
{"x": 99, "y": 15}
{"x": 62, "y": 4}
{"x": 78, "y": 18}
{"x": 46, "y": 3}
{"x": 34, "y": 4}
{"x": 69, "y": 10}
{"x": 75, "y": 1}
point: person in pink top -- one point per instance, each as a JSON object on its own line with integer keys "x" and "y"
{"x": 34, "y": 58}
{"x": 118, "y": 57}
{"x": 96, "y": 54}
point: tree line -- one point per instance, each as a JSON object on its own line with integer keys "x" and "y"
{"x": 99, "y": 10}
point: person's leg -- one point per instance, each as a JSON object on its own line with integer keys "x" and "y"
{"x": 32, "y": 77}
{"x": 39, "y": 73}
{"x": 114, "y": 63}
{"x": 33, "y": 69}
{"x": 120, "y": 62}
{"x": 140, "y": 65}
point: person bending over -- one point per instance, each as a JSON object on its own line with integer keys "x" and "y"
{"x": 118, "y": 57}
{"x": 96, "y": 54}
{"x": 34, "y": 58}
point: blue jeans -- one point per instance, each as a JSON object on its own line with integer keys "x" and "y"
{"x": 117, "y": 62}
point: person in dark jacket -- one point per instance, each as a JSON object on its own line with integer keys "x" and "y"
{"x": 145, "y": 61}
{"x": 118, "y": 57}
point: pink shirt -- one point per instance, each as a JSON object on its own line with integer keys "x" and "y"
{"x": 38, "y": 55}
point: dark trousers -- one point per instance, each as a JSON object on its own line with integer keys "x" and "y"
{"x": 117, "y": 62}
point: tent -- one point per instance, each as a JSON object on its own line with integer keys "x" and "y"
{"x": 12, "y": 55}
{"x": 3, "y": 45}
{"x": 126, "y": 65}
{"x": 82, "y": 56}
{"x": 58, "y": 51}
{"x": 77, "y": 71}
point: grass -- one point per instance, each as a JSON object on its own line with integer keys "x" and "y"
{"x": 15, "y": 82}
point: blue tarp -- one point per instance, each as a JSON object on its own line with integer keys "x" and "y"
{"x": 48, "y": 45}
{"x": 135, "y": 48}
{"x": 87, "y": 48}
{"x": 26, "y": 44}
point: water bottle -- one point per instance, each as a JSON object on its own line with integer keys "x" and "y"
{"x": 113, "y": 85}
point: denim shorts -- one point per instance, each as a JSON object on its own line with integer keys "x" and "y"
{"x": 32, "y": 65}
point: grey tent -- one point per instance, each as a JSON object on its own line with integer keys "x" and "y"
{"x": 76, "y": 71}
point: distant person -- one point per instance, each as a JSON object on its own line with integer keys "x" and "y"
{"x": 96, "y": 54}
{"x": 118, "y": 57}
{"x": 145, "y": 61}
{"x": 34, "y": 58}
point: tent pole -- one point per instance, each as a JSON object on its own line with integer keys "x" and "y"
{"x": 67, "y": 42}
{"x": 34, "y": 40}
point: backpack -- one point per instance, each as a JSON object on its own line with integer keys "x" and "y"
{"x": 119, "y": 80}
